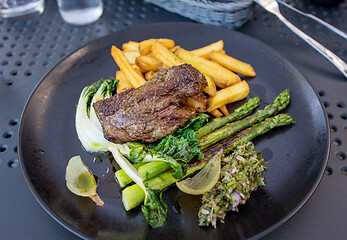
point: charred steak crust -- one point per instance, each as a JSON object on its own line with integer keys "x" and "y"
{"x": 153, "y": 110}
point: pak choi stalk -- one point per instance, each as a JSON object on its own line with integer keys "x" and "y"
{"x": 141, "y": 153}
{"x": 87, "y": 124}
{"x": 154, "y": 209}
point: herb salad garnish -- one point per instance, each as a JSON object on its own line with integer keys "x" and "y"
{"x": 241, "y": 173}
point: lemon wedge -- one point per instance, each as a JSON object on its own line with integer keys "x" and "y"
{"x": 80, "y": 180}
{"x": 204, "y": 180}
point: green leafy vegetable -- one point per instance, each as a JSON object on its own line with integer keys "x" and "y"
{"x": 137, "y": 152}
{"x": 141, "y": 153}
{"x": 195, "y": 123}
{"x": 177, "y": 149}
{"x": 153, "y": 208}
{"x": 87, "y": 124}
{"x": 183, "y": 146}
{"x": 183, "y": 143}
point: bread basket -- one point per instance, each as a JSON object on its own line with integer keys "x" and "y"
{"x": 229, "y": 13}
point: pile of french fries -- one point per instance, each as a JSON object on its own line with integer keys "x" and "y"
{"x": 139, "y": 61}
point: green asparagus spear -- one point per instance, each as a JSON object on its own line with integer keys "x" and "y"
{"x": 152, "y": 170}
{"x": 259, "y": 129}
{"x": 239, "y": 113}
{"x": 122, "y": 178}
{"x": 248, "y": 134}
{"x": 133, "y": 195}
{"x": 146, "y": 170}
{"x": 230, "y": 129}
{"x": 154, "y": 209}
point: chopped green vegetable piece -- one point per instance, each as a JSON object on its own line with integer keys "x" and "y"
{"x": 133, "y": 195}
{"x": 153, "y": 208}
{"x": 176, "y": 149}
{"x": 141, "y": 153}
{"x": 122, "y": 178}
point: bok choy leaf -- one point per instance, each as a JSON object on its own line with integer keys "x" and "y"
{"x": 183, "y": 145}
{"x": 176, "y": 149}
{"x": 141, "y": 153}
{"x": 87, "y": 124}
{"x": 153, "y": 208}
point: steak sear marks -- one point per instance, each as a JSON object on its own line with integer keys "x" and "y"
{"x": 153, "y": 110}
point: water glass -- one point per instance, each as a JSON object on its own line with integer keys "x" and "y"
{"x": 18, "y": 8}
{"x": 80, "y": 12}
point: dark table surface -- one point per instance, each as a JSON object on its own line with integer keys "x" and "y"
{"x": 30, "y": 48}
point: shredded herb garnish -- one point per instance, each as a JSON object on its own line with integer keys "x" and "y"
{"x": 241, "y": 173}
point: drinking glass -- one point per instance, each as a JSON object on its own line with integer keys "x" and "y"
{"x": 17, "y": 8}
{"x": 80, "y": 12}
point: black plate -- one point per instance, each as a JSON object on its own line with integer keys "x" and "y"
{"x": 296, "y": 154}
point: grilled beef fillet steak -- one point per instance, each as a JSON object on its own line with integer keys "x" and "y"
{"x": 153, "y": 110}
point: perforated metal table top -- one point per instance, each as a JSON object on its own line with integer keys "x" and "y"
{"x": 30, "y": 48}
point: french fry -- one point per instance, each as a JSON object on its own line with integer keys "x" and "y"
{"x": 137, "y": 69}
{"x": 204, "y": 51}
{"x": 174, "y": 48}
{"x": 169, "y": 59}
{"x": 162, "y": 66}
{"x": 149, "y": 75}
{"x": 221, "y": 76}
{"x": 146, "y": 45}
{"x": 232, "y": 63}
{"x": 216, "y": 113}
{"x": 164, "y": 55}
{"x": 147, "y": 63}
{"x": 130, "y": 46}
{"x": 228, "y": 95}
{"x": 149, "y": 55}
{"x": 198, "y": 102}
{"x": 135, "y": 79}
{"x": 224, "y": 110}
{"x": 211, "y": 87}
{"x": 131, "y": 56}
{"x": 123, "y": 83}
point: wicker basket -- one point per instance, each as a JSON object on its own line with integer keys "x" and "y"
{"x": 228, "y": 13}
